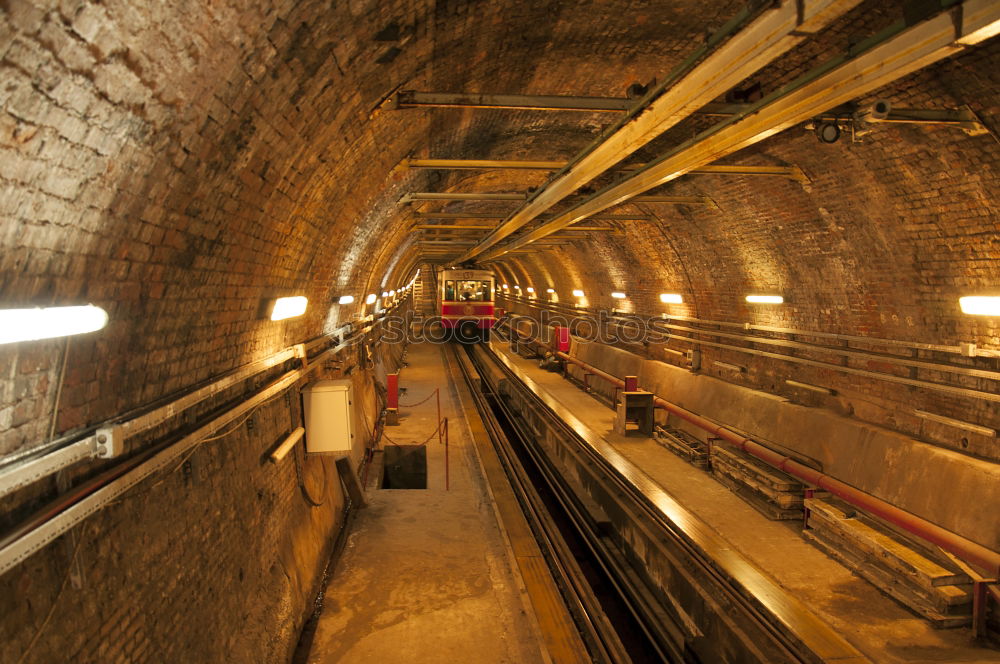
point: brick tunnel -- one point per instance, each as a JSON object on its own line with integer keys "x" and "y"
{"x": 440, "y": 330}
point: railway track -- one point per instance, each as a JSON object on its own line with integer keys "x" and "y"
{"x": 641, "y": 586}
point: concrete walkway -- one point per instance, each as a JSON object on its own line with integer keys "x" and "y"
{"x": 425, "y": 575}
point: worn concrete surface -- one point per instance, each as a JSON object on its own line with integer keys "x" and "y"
{"x": 871, "y": 621}
{"x": 425, "y": 575}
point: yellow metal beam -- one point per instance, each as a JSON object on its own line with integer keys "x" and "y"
{"x": 898, "y": 51}
{"x": 792, "y": 172}
{"x": 770, "y": 34}
{"x": 422, "y": 196}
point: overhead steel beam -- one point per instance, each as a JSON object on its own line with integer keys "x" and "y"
{"x": 769, "y": 34}
{"x": 414, "y": 99}
{"x": 423, "y": 196}
{"x": 458, "y": 196}
{"x": 792, "y": 172}
{"x": 493, "y": 215}
{"x": 463, "y": 227}
{"x": 895, "y": 52}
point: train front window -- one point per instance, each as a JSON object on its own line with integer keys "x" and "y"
{"x": 468, "y": 291}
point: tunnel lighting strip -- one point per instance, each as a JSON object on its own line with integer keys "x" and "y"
{"x": 48, "y": 323}
{"x": 960, "y": 391}
{"x": 671, "y": 298}
{"x": 870, "y": 341}
{"x": 765, "y": 299}
{"x": 26, "y": 540}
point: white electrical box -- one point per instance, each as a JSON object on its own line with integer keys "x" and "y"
{"x": 329, "y": 417}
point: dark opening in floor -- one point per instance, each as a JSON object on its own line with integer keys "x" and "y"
{"x": 404, "y": 467}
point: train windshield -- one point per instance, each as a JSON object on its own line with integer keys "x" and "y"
{"x": 467, "y": 291}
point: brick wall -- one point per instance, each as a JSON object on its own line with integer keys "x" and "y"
{"x": 181, "y": 165}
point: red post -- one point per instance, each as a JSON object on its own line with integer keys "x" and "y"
{"x": 631, "y": 383}
{"x": 392, "y": 390}
{"x": 392, "y": 399}
{"x": 437, "y": 394}
{"x": 562, "y": 339}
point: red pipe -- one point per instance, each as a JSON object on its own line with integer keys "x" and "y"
{"x": 966, "y": 549}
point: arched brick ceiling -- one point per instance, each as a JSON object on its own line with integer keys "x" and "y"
{"x": 180, "y": 163}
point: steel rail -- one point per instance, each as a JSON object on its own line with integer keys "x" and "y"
{"x": 893, "y": 53}
{"x": 599, "y": 635}
{"x": 789, "y": 627}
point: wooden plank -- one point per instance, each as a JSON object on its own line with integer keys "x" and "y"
{"x": 351, "y": 482}
{"x": 765, "y": 507}
{"x": 890, "y": 584}
{"x": 781, "y": 499}
{"x": 763, "y": 473}
{"x": 893, "y": 552}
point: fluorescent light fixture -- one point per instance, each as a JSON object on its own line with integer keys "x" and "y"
{"x": 392, "y": 293}
{"x": 671, "y": 298}
{"x": 765, "y": 299}
{"x": 516, "y": 287}
{"x": 385, "y": 293}
{"x": 371, "y": 298}
{"x": 577, "y": 293}
{"x": 550, "y": 290}
{"x": 346, "y": 299}
{"x": 505, "y": 287}
{"x": 31, "y": 324}
{"x": 288, "y": 307}
{"x": 530, "y": 289}
{"x": 618, "y": 296}
{"x": 980, "y": 305}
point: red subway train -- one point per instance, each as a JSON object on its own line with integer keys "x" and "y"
{"x": 466, "y": 300}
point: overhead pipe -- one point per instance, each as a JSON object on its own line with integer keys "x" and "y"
{"x": 966, "y": 549}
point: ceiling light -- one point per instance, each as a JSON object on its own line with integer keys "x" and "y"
{"x": 346, "y": 299}
{"x": 980, "y": 305}
{"x": 392, "y": 293}
{"x": 30, "y": 324}
{"x": 288, "y": 307}
{"x": 765, "y": 299}
{"x": 618, "y": 296}
{"x": 530, "y": 289}
{"x": 577, "y": 293}
{"x": 385, "y": 294}
{"x": 371, "y": 298}
{"x": 671, "y": 298}
{"x": 550, "y": 290}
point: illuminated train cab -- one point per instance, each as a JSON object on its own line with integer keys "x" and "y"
{"x": 467, "y": 304}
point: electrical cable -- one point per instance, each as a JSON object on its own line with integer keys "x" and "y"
{"x": 55, "y": 603}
